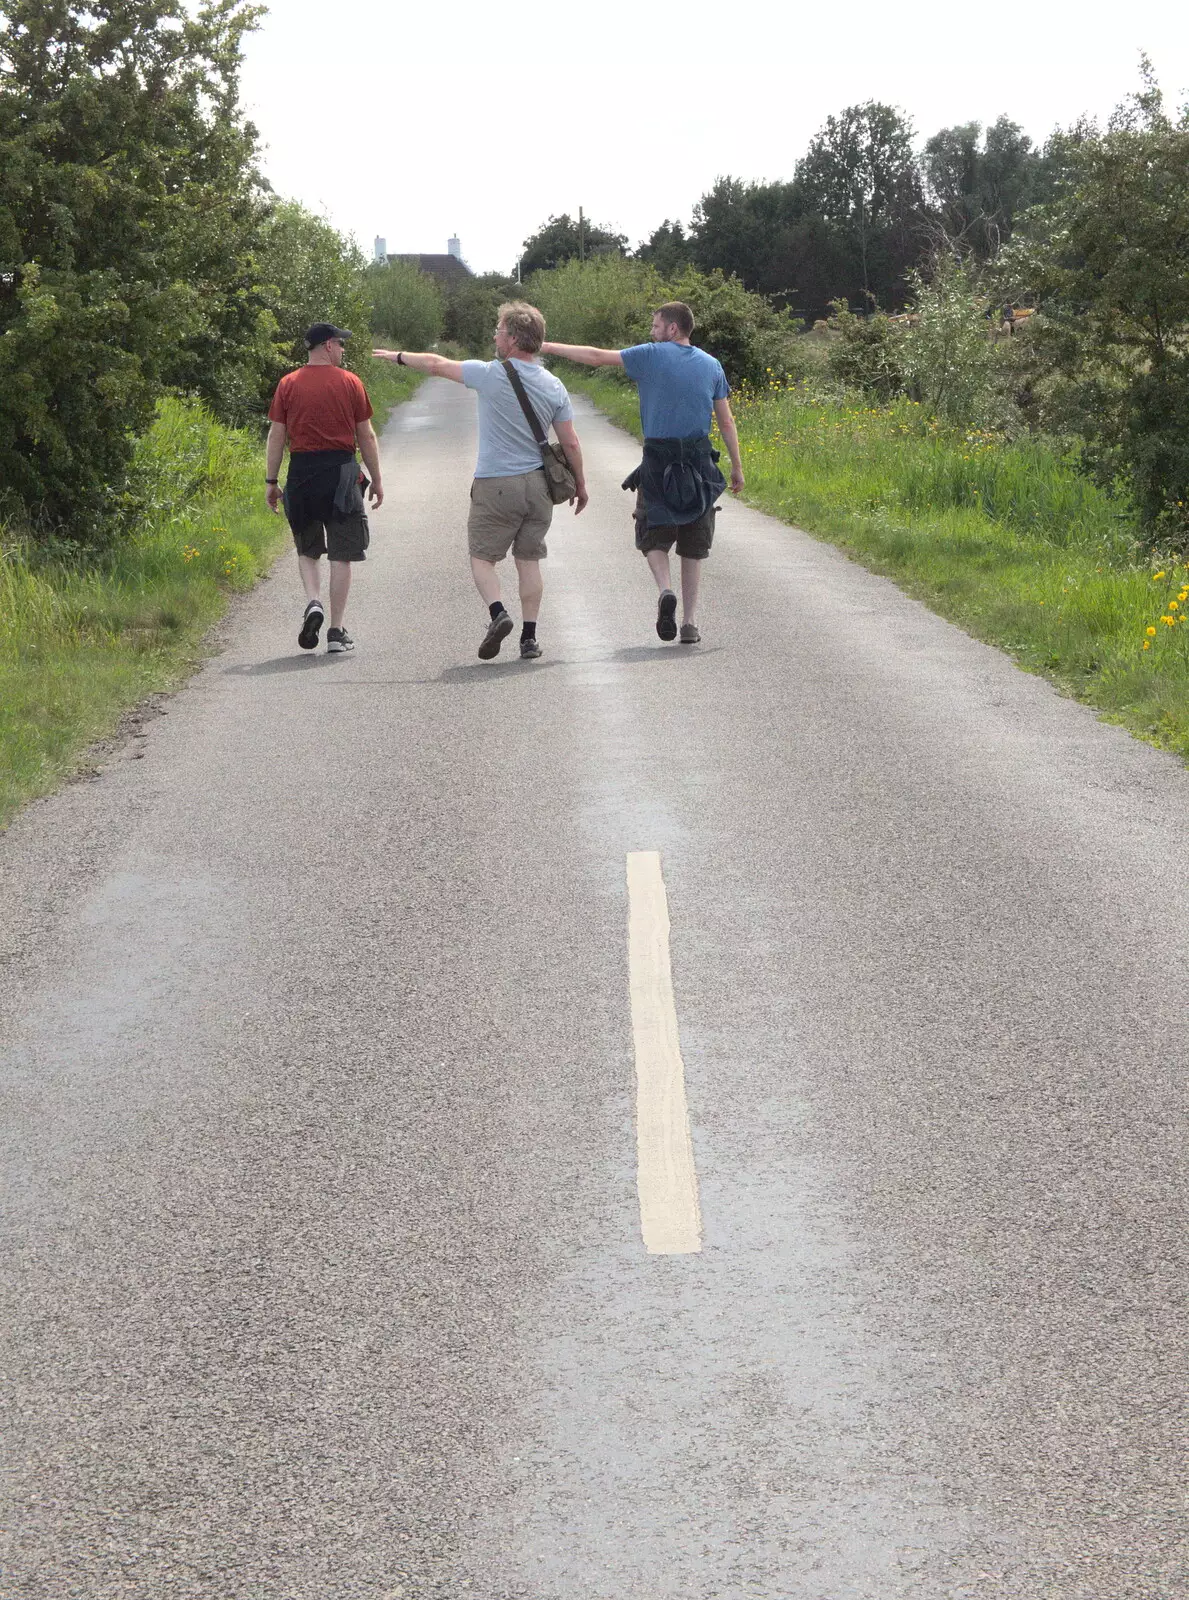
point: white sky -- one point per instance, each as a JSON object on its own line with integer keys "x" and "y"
{"x": 418, "y": 121}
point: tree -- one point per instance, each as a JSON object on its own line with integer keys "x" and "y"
{"x": 470, "y": 306}
{"x": 1107, "y": 261}
{"x": 129, "y": 208}
{"x": 737, "y": 229}
{"x": 562, "y": 239}
{"x": 980, "y": 182}
{"x": 667, "y": 249}
{"x": 859, "y": 174}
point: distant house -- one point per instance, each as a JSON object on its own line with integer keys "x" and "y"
{"x": 447, "y": 269}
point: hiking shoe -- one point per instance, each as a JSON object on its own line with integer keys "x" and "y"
{"x": 311, "y": 625}
{"x": 666, "y": 615}
{"x": 498, "y": 630}
{"x": 690, "y": 634}
{"x": 338, "y": 640}
{"x": 529, "y": 649}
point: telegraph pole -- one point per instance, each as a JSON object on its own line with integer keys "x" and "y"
{"x": 581, "y": 235}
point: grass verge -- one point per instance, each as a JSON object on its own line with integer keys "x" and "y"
{"x": 83, "y": 637}
{"x": 1007, "y": 539}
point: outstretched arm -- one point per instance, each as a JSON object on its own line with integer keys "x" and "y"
{"x": 568, "y": 440}
{"x": 585, "y": 354}
{"x": 730, "y": 437}
{"x": 423, "y": 361}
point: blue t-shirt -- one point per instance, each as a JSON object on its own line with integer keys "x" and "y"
{"x": 506, "y": 443}
{"x": 678, "y": 386}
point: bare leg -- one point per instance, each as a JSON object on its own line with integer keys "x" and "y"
{"x": 658, "y": 561}
{"x": 310, "y": 568}
{"x": 340, "y": 588}
{"x": 486, "y": 579}
{"x": 532, "y": 586}
{"x": 691, "y": 577}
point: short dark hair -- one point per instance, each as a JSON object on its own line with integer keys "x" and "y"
{"x": 679, "y": 314}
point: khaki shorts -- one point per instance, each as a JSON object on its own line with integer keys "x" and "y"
{"x": 510, "y": 514}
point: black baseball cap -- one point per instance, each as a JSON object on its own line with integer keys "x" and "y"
{"x": 321, "y": 331}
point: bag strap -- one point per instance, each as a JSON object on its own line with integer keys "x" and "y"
{"x": 530, "y": 416}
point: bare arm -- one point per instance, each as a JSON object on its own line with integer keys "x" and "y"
{"x": 730, "y": 437}
{"x": 568, "y": 440}
{"x": 585, "y": 354}
{"x": 424, "y": 361}
{"x": 369, "y": 449}
{"x": 274, "y": 454}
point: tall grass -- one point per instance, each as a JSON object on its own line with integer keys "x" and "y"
{"x": 1005, "y": 537}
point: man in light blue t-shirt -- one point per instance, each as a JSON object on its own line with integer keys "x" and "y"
{"x": 510, "y": 504}
{"x": 682, "y": 390}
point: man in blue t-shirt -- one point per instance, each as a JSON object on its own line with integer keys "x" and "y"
{"x": 510, "y": 504}
{"x": 681, "y": 389}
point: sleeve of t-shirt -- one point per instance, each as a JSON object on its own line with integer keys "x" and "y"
{"x": 473, "y": 373}
{"x": 564, "y": 411}
{"x": 279, "y": 410}
{"x": 721, "y": 387}
{"x": 637, "y": 358}
{"x": 363, "y": 406}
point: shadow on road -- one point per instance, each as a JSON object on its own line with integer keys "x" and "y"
{"x": 260, "y": 669}
{"x": 470, "y": 672}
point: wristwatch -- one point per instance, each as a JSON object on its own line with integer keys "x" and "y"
{"x": 272, "y": 480}
{"x": 400, "y": 358}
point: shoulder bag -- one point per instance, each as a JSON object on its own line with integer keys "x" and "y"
{"x": 559, "y": 475}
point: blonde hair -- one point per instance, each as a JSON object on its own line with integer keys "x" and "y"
{"x": 524, "y": 325}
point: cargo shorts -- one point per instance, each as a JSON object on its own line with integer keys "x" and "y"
{"x": 510, "y": 514}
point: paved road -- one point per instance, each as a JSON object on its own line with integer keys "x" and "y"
{"x": 324, "y": 1271}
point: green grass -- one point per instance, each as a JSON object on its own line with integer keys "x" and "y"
{"x": 1007, "y": 539}
{"x": 84, "y": 636}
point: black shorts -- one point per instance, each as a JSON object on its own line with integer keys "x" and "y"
{"x": 693, "y": 539}
{"x": 342, "y": 538}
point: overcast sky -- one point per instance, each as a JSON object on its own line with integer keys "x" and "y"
{"x": 419, "y": 121}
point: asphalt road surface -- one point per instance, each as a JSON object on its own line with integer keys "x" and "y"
{"x": 325, "y": 1070}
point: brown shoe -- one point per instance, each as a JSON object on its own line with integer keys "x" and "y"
{"x": 690, "y": 634}
{"x": 498, "y": 630}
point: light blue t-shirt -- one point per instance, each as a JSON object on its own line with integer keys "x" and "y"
{"x": 678, "y": 386}
{"x": 506, "y": 443}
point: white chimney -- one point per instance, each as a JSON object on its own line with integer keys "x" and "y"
{"x": 380, "y": 249}
{"x": 455, "y": 248}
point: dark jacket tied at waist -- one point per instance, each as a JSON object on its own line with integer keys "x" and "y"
{"x": 679, "y": 479}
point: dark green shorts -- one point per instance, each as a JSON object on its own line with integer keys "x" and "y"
{"x": 342, "y": 538}
{"x": 693, "y": 539}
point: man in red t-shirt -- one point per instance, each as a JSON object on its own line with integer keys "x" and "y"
{"x": 324, "y": 412}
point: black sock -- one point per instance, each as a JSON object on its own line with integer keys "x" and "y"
{"x": 528, "y": 630}
{"x": 495, "y": 608}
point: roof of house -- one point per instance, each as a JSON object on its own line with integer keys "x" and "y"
{"x": 437, "y": 266}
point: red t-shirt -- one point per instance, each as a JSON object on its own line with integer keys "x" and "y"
{"x": 320, "y": 407}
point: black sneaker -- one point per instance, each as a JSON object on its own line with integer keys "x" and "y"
{"x": 311, "y": 625}
{"x": 498, "y": 630}
{"x": 690, "y": 634}
{"x": 666, "y": 615}
{"x": 530, "y": 650}
{"x": 338, "y": 640}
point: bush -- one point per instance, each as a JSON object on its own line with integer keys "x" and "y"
{"x": 950, "y": 361}
{"x": 609, "y": 303}
{"x": 406, "y": 305}
{"x": 867, "y": 355}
